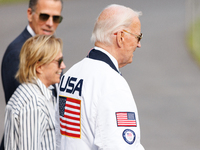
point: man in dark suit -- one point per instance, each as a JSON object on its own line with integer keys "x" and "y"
{"x": 44, "y": 17}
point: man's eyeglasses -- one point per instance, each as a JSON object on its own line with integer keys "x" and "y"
{"x": 60, "y": 60}
{"x": 139, "y": 37}
{"x": 45, "y": 17}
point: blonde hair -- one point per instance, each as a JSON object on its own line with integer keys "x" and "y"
{"x": 37, "y": 51}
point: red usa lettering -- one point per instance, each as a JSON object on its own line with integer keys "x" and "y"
{"x": 71, "y": 85}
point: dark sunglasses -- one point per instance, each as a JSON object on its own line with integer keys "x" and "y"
{"x": 45, "y": 17}
{"x": 60, "y": 60}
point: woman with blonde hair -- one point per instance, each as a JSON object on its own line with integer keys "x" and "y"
{"x": 29, "y": 118}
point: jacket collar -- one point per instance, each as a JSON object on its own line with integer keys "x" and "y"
{"x": 99, "y": 55}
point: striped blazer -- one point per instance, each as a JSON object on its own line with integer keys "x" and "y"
{"x": 29, "y": 118}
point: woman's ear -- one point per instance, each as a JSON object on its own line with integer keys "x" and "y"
{"x": 39, "y": 69}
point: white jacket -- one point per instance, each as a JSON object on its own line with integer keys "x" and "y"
{"x": 94, "y": 101}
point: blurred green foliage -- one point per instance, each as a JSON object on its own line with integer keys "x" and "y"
{"x": 193, "y": 40}
{"x": 11, "y": 1}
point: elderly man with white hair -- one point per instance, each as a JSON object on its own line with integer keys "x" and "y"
{"x": 96, "y": 109}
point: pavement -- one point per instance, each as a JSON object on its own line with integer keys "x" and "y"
{"x": 163, "y": 77}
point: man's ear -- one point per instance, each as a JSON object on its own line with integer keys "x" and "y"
{"x": 29, "y": 14}
{"x": 120, "y": 38}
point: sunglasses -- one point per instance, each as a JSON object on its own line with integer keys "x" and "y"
{"x": 45, "y": 17}
{"x": 139, "y": 37}
{"x": 60, "y": 60}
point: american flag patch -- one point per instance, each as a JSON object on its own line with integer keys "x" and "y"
{"x": 70, "y": 117}
{"x": 126, "y": 119}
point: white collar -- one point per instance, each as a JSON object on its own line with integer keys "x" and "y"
{"x": 109, "y": 55}
{"x": 30, "y": 30}
{"x": 45, "y": 91}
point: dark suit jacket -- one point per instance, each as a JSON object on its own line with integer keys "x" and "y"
{"x": 10, "y": 64}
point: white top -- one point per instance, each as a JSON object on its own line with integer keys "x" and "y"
{"x": 96, "y": 110}
{"x": 30, "y": 119}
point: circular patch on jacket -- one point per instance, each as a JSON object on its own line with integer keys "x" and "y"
{"x": 129, "y": 136}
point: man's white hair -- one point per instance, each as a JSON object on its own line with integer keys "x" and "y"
{"x": 113, "y": 18}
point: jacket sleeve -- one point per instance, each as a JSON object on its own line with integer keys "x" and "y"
{"x": 9, "y": 142}
{"x": 112, "y": 132}
{"x": 10, "y": 65}
{"x": 25, "y": 131}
